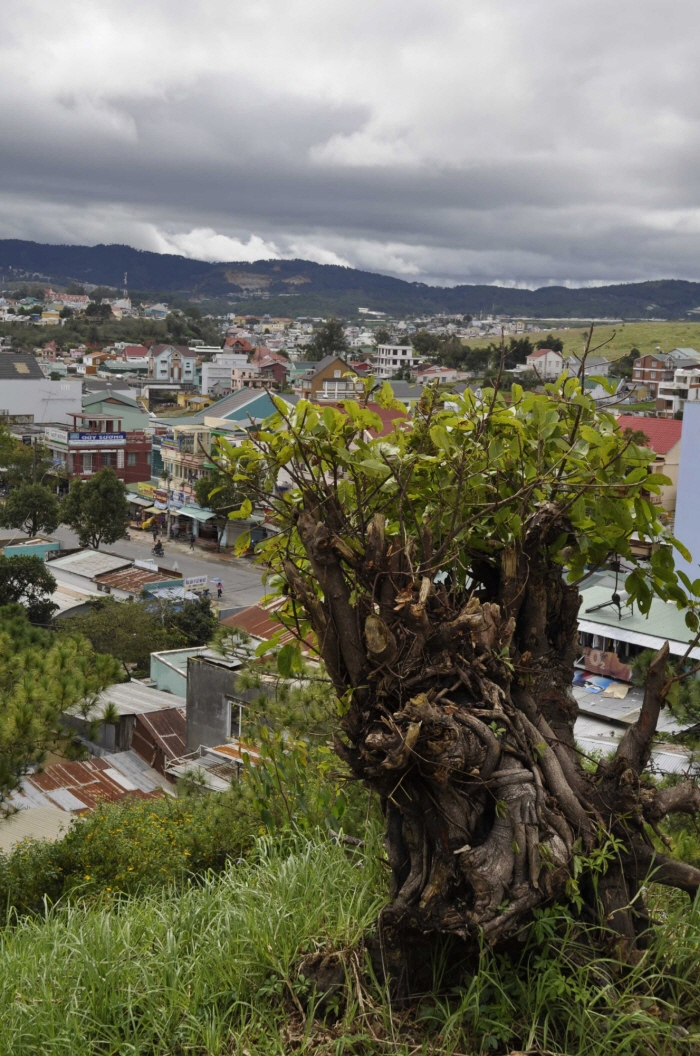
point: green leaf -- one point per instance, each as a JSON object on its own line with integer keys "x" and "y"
{"x": 289, "y": 660}
{"x": 242, "y": 544}
{"x": 243, "y": 512}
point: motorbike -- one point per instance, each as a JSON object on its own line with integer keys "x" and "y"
{"x": 158, "y": 550}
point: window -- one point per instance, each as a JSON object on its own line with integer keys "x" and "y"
{"x": 336, "y": 373}
{"x": 653, "y": 373}
{"x": 109, "y": 458}
{"x": 87, "y": 463}
{"x": 235, "y": 717}
{"x": 131, "y": 458}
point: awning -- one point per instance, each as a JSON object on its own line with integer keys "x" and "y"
{"x": 619, "y": 633}
{"x": 138, "y": 500}
{"x": 196, "y": 515}
{"x": 153, "y": 509}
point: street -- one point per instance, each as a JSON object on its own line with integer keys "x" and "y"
{"x": 241, "y": 579}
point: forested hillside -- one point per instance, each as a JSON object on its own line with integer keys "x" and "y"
{"x": 294, "y": 287}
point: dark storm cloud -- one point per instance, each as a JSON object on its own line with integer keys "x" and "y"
{"x": 484, "y": 140}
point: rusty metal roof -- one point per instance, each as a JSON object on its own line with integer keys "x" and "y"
{"x": 134, "y": 579}
{"x": 81, "y": 786}
{"x": 237, "y": 750}
{"x": 168, "y": 729}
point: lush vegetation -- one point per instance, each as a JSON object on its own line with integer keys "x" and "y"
{"x": 131, "y": 631}
{"x": 41, "y": 677}
{"x": 25, "y": 579}
{"x": 97, "y": 508}
{"x": 32, "y": 508}
{"x": 213, "y": 969}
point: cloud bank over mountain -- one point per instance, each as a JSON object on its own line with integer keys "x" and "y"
{"x": 451, "y": 141}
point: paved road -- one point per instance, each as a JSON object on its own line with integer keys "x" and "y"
{"x": 240, "y": 577}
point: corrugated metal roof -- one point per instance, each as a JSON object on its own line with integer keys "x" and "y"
{"x": 133, "y": 698}
{"x": 664, "y": 623}
{"x": 67, "y": 597}
{"x": 89, "y": 563}
{"x": 168, "y": 728}
{"x": 88, "y": 783}
{"x": 593, "y": 736}
{"x": 139, "y": 772}
{"x": 134, "y": 579}
{"x": 35, "y": 823}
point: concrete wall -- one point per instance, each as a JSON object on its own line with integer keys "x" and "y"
{"x": 48, "y": 401}
{"x": 31, "y": 549}
{"x": 208, "y": 688}
{"x": 687, "y": 522}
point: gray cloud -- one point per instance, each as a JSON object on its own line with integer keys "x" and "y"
{"x": 458, "y": 140}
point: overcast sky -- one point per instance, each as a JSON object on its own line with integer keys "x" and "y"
{"x": 516, "y": 141}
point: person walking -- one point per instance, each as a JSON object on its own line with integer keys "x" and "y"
{"x": 219, "y": 591}
{"x": 155, "y": 532}
{"x": 192, "y": 538}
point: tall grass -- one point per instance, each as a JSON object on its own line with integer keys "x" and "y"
{"x": 212, "y": 969}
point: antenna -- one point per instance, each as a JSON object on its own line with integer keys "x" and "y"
{"x": 126, "y": 291}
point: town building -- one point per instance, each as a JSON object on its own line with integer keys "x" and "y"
{"x": 598, "y": 365}
{"x": 544, "y": 362}
{"x": 648, "y": 372}
{"x": 25, "y": 392}
{"x": 99, "y": 440}
{"x": 388, "y": 359}
{"x": 672, "y": 396}
{"x": 172, "y": 364}
{"x": 663, "y": 436}
{"x": 218, "y": 370}
{"x": 330, "y": 379}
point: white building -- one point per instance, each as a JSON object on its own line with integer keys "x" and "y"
{"x": 673, "y": 395}
{"x": 388, "y": 359}
{"x": 219, "y": 370}
{"x": 24, "y": 390}
{"x": 545, "y": 362}
{"x": 172, "y": 363}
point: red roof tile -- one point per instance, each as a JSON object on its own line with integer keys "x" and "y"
{"x": 662, "y": 433}
{"x": 388, "y": 415}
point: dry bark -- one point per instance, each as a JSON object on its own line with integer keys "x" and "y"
{"x": 462, "y": 721}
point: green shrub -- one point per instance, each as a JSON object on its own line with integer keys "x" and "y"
{"x": 126, "y": 847}
{"x": 212, "y": 968}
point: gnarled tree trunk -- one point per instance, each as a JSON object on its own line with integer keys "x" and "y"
{"x": 462, "y": 720}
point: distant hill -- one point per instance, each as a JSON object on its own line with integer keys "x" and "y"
{"x": 296, "y": 287}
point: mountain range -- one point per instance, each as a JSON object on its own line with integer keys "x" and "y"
{"x": 301, "y": 287}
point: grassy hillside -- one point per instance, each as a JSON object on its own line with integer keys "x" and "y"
{"x": 647, "y": 337}
{"x": 213, "y": 970}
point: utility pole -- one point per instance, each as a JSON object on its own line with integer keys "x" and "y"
{"x": 34, "y": 439}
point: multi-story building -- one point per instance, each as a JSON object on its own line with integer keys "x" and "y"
{"x": 328, "y": 380}
{"x": 388, "y": 359}
{"x": 664, "y": 439}
{"x": 219, "y": 370}
{"x": 172, "y": 364}
{"x": 97, "y": 441}
{"x": 673, "y": 395}
{"x": 650, "y": 371}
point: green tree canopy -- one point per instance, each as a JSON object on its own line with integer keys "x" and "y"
{"x": 31, "y": 507}
{"x": 22, "y": 463}
{"x": 97, "y": 509}
{"x": 437, "y": 569}
{"x": 328, "y": 340}
{"x": 41, "y": 677}
{"x": 25, "y": 579}
{"x": 128, "y": 631}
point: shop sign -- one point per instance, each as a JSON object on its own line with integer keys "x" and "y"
{"x": 196, "y": 581}
{"x": 160, "y": 499}
{"x": 605, "y": 664}
{"x": 146, "y": 489}
{"x": 59, "y": 436}
{"x": 174, "y": 445}
{"x": 97, "y": 439}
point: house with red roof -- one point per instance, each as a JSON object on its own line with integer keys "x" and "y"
{"x": 663, "y": 436}
{"x": 545, "y": 362}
